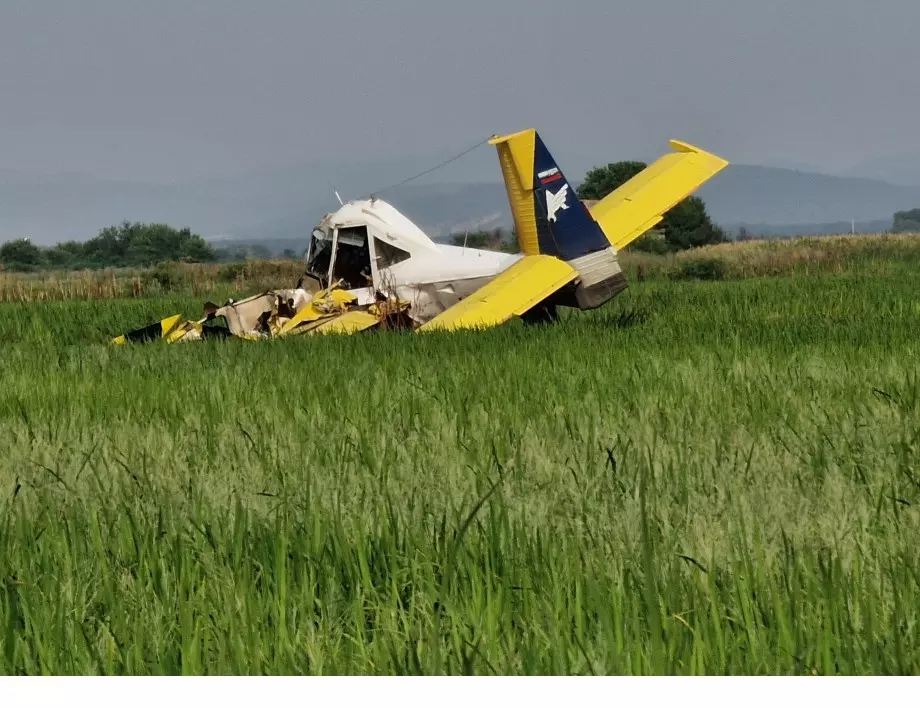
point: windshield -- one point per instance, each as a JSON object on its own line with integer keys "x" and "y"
{"x": 319, "y": 253}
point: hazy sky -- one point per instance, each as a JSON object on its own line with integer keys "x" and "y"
{"x": 171, "y": 89}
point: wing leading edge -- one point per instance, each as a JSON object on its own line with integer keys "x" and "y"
{"x": 512, "y": 292}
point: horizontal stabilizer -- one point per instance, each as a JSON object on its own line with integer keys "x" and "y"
{"x": 516, "y": 290}
{"x": 637, "y": 205}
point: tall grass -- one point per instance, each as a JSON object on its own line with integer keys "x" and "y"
{"x": 699, "y": 478}
{"x": 193, "y": 279}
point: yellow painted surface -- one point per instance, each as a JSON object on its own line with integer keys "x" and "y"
{"x": 516, "y": 156}
{"x": 166, "y": 326}
{"x": 336, "y": 298}
{"x": 323, "y": 303}
{"x": 513, "y": 292}
{"x": 346, "y": 323}
{"x": 636, "y": 206}
{"x": 176, "y": 334}
{"x": 169, "y": 323}
{"x": 306, "y": 314}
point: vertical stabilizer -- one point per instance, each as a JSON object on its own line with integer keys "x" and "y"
{"x": 550, "y": 220}
{"x": 548, "y": 217}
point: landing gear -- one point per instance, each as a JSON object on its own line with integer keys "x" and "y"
{"x": 542, "y": 314}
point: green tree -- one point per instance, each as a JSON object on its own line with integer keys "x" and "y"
{"x": 138, "y": 245}
{"x": 68, "y": 254}
{"x": 906, "y": 221}
{"x": 601, "y": 181}
{"x": 126, "y": 245}
{"x": 21, "y": 254}
{"x": 686, "y": 225}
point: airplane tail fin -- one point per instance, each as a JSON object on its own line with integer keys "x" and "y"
{"x": 548, "y": 217}
{"x": 550, "y": 220}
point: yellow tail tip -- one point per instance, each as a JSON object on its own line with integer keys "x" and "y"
{"x": 681, "y": 146}
{"x": 498, "y": 139}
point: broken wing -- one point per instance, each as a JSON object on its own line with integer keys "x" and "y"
{"x": 513, "y": 292}
{"x": 637, "y": 205}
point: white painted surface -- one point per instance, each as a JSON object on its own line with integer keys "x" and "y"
{"x": 435, "y": 276}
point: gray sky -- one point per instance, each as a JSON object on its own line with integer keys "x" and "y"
{"x": 172, "y": 89}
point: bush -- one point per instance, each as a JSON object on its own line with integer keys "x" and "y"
{"x": 651, "y": 242}
{"x": 231, "y": 272}
{"x": 165, "y": 275}
{"x": 21, "y": 255}
{"x": 700, "y": 269}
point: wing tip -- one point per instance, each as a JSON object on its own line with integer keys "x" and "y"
{"x": 682, "y": 146}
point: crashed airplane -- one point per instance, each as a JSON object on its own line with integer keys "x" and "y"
{"x": 370, "y": 267}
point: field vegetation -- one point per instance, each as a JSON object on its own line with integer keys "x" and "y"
{"x": 876, "y": 254}
{"x": 716, "y": 473}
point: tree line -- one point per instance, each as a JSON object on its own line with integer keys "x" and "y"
{"x": 128, "y": 245}
{"x": 906, "y": 221}
{"x": 136, "y": 245}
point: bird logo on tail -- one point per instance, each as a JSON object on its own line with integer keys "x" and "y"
{"x": 556, "y": 201}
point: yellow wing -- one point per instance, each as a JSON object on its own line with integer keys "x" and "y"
{"x": 346, "y": 323}
{"x": 636, "y": 206}
{"x": 513, "y": 292}
{"x": 157, "y": 330}
{"x": 349, "y": 322}
{"x": 324, "y": 304}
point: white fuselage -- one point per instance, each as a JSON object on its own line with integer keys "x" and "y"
{"x": 402, "y": 261}
{"x": 435, "y": 282}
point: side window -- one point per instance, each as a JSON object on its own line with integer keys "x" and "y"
{"x": 388, "y": 254}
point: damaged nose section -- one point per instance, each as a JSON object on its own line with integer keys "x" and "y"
{"x": 275, "y": 314}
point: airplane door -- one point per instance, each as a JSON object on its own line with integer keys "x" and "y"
{"x": 351, "y": 262}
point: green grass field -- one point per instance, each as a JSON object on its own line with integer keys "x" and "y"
{"x": 701, "y": 477}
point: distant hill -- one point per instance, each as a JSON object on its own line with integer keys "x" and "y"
{"x": 283, "y": 205}
{"x": 833, "y": 227}
{"x": 903, "y": 168}
{"x": 768, "y": 195}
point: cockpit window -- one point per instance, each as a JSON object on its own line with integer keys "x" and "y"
{"x": 352, "y": 263}
{"x": 388, "y": 254}
{"x": 319, "y": 254}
